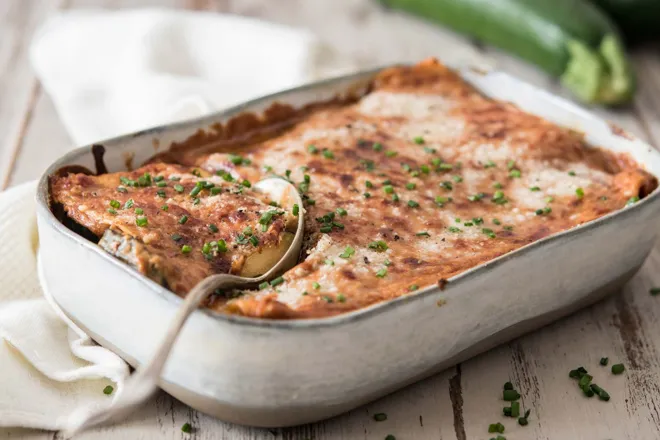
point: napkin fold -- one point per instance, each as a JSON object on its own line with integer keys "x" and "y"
{"x": 110, "y": 73}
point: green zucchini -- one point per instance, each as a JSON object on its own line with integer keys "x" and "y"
{"x": 570, "y": 39}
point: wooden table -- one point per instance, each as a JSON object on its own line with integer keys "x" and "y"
{"x": 459, "y": 403}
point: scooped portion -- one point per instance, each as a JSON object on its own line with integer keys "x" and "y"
{"x": 177, "y": 224}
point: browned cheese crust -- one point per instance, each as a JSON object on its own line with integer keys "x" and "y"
{"x": 425, "y": 178}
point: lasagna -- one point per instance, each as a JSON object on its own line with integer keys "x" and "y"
{"x": 416, "y": 181}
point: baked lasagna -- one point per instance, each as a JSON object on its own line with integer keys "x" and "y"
{"x": 406, "y": 186}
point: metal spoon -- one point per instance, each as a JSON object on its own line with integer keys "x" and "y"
{"x": 144, "y": 382}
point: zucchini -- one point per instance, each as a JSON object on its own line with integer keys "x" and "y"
{"x": 570, "y": 39}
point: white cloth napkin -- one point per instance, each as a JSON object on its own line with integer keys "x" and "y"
{"x": 110, "y": 73}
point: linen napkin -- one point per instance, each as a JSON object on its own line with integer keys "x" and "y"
{"x": 110, "y": 73}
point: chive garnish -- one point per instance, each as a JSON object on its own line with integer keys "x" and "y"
{"x": 378, "y": 245}
{"x": 296, "y": 210}
{"x": 367, "y": 195}
{"x": 326, "y": 229}
{"x": 254, "y": 240}
{"x": 604, "y": 361}
{"x": 277, "y": 281}
{"x": 446, "y": 185}
{"x": 497, "y": 221}
{"x": 632, "y": 200}
{"x": 186, "y": 428}
{"x": 121, "y": 189}
{"x": 496, "y": 427}
{"x": 490, "y": 164}
{"x": 476, "y": 197}
{"x": 381, "y": 273}
{"x": 389, "y": 189}
{"x": 418, "y": 140}
{"x": 515, "y": 409}
{"x": 341, "y": 211}
{"x": 618, "y": 368}
{"x": 183, "y": 219}
{"x": 141, "y": 221}
{"x": 377, "y": 146}
{"x": 510, "y": 395}
{"x": 368, "y": 184}
{"x": 423, "y": 234}
{"x": 579, "y": 192}
{"x": 413, "y": 287}
{"x": 497, "y": 185}
{"x": 215, "y": 191}
{"x": 185, "y": 249}
{"x": 571, "y": 173}
{"x": 108, "y": 390}
{"x": 535, "y": 188}
{"x": 395, "y": 198}
{"x": 115, "y": 204}
{"x": 178, "y": 188}
{"x": 489, "y": 232}
{"x": 454, "y": 229}
{"x": 263, "y": 285}
{"x": 654, "y": 291}
{"x": 316, "y": 286}
{"x": 176, "y": 237}
{"x": 112, "y": 211}
{"x": 510, "y": 164}
{"x": 515, "y": 173}
{"x": 340, "y": 298}
{"x": 328, "y": 154}
{"x": 213, "y": 228}
{"x": 165, "y": 208}
{"x": 457, "y": 179}
{"x": 508, "y": 386}
{"x": 390, "y": 153}
{"x": 411, "y": 185}
{"x": 161, "y": 194}
{"x": 413, "y": 204}
{"x": 380, "y": 417}
{"x": 196, "y": 190}
{"x": 312, "y": 149}
{"x": 348, "y": 252}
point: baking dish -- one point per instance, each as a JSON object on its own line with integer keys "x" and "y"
{"x": 280, "y": 373}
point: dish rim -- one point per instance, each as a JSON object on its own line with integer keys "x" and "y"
{"x": 43, "y": 209}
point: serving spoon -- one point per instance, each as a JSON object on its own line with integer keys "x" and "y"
{"x": 144, "y": 382}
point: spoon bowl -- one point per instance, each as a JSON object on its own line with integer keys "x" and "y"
{"x": 144, "y": 382}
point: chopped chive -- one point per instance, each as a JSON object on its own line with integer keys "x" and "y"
{"x": 178, "y": 188}
{"x": 381, "y": 273}
{"x": 445, "y": 167}
{"x": 430, "y": 150}
{"x": 367, "y": 195}
{"x": 395, "y": 198}
{"x": 326, "y": 229}
{"x": 316, "y": 286}
{"x": 254, "y": 240}
{"x": 411, "y": 185}
{"x": 175, "y": 178}
{"x": 390, "y": 437}
{"x": 141, "y": 221}
{"x": 423, "y": 234}
{"x": 222, "y": 246}
{"x": 341, "y": 211}
{"x": 115, "y": 204}
{"x": 515, "y": 409}
{"x": 161, "y": 184}
{"x": 496, "y": 427}
{"x": 515, "y": 173}
{"x": 329, "y": 262}
{"x": 413, "y": 204}
{"x": 632, "y": 200}
{"x": 618, "y": 368}
{"x": 579, "y": 192}
{"x": 454, "y": 229}
{"x": 490, "y": 164}
{"x": 186, "y": 428}
{"x": 604, "y": 361}
{"x": 510, "y": 395}
{"x": 312, "y": 149}
{"x": 390, "y": 153}
{"x": 601, "y": 393}
{"x": 277, "y": 281}
{"x": 264, "y": 285}
{"x": 195, "y": 191}
{"x": 387, "y": 263}
{"x": 457, "y": 179}
{"x": 215, "y": 191}
{"x": 348, "y": 252}
{"x": 185, "y": 249}
{"x": 328, "y": 154}
{"x": 508, "y": 386}
{"x": 340, "y": 298}
{"x": 108, "y": 390}
{"x": 161, "y": 194}
{"x": 535, "y": 188}
{"x": 296, "y": 210}
{"x": 446, "y": 185}
{"x": 510, "y": 164}
{"x": 506, "y": 411}
{"x": 476, "y": 197}
{"x": 418, "y": 140}
{"x": 176, "y": 237}
{"x": 196, "y": 201}
{"x": 378, "y": 245}
{"x": 489, "y": 232}
{"x": 389, "y": 189}
{"x": 571, "y": 173}
{"x": 549, "y": 199}
{"x": 112, "y": 211}
{"x": 380, "y": 417}
{"x": 183, "y": 219}
{"x": 377, "y": 146}
{"x": 413, "y": 287}
{"x": 368, "y": 184}
{"x": 522, "y": 421}
{"x": 213, "y": 228}
{"x": 477, "y": 220}
{"x": 121, "y": 189}
{"x": 165, "y": 208}
{"x": 654, "y": 291}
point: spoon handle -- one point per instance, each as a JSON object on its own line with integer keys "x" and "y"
{"x": 144, "y": 382}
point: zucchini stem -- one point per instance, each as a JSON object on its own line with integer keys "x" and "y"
{"x": 601, "y": 76}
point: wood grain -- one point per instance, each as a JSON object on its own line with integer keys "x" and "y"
{"x": 459, "y": 403}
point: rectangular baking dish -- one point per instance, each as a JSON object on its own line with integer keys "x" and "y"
{"x": 281, "y": 373}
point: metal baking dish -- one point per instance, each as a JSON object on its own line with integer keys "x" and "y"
{"x": 280, "y": 373}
